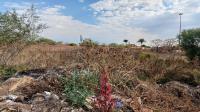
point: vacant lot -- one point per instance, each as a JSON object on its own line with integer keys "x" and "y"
{"x": 141, "y": 78}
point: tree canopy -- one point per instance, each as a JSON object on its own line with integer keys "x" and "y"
{"x": 190, "y": 42}
{"x": 19, "y": 27}
{"x": 141, "y": 41}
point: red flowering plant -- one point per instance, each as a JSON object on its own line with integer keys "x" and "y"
{"x": 104, "y": 101}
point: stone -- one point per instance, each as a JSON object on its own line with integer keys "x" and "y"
{"x": 50, "y": 96}
{"x": 10, "y": 106}
{"x": 2, "y": 98}
{"x": 19, "y": 99}
{"x": 147, "y": 110}
{"x": 89, "y": 101}
{"x": 66, "y": 109}
{"x": 38, "y": 98}
{"x": 11, "y": 97}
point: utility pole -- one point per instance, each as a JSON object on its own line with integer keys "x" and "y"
{"x": 81, "y": 38}
{"x": 179, "y": 37}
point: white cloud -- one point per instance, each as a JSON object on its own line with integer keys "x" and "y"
{"x": 119, "y": 19}
{"x": 13, "y": 5}
{"x": 127, "y": 10}
{"x": 66, "y": 28}
{"x": 81, "y": 1}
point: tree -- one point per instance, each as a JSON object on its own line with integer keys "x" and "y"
{"x": 46, "y": 41}
{"x": 141, "y": 41}
{"x": 15, "y": 27}
{"x": 32, "y": 22}
{"x": 125, "y": 41}
{"x": 190, "y": 42}
{"x": 170, "y": 43}
{"x": 89, "y": 43}
{"x": 11, "y": 27}
{"x": 16, "y": 31}
{"x": 157, "y": 43}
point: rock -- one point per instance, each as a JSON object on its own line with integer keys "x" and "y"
{"x": 128, "y": 100}
{"x": 10, "y": 106}
{"x": 147, "y": 110}
{"x": 13, "y": 84}
{"x": 20, "y": 99}
{"x": 34, "y": 92}
{"x": 2, "y": 98}
{"x": 89, "y": 101}
{"x": 135, "y": 105}
{"x": 46, "y": 106}
{"x": 50, "y": 96}
{"x": 37, "y": 86}
{"x": 8, "y": 110}
{"x": 45, "y": 96}
{"x": 11, "y": 97}
{"x": 38, "y": 98}
{"x": 66, "y": 109}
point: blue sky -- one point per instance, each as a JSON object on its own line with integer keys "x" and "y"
{"x": 108, "y": 21}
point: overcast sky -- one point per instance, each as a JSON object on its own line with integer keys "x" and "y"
{"x": 108, "y": 21}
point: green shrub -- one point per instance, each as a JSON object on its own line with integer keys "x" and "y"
{"x": 141, "y": 41}
{"x": 45, "y": 41}
{"x": 190, "y": 40}
{"x": 117, "y": 45}
{"x": 72, "y": 44}
{"x": 79, "y": 86}
{"x": 23, "y": 27}
{"x": 113, "y": 45}
{"x": 7, "y": 72}
{"x": 89, "y": 43}
{"x": 145, "y": 46}
{"x": 144, "y": 56}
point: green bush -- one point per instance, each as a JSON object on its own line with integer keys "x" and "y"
{"x": 117, "y": 45}
{"x": 144, "y": 56}
{"x": 45, "y": 41}
{"x": 7, "y": 72}
{"x": 190, "y": 41}
{"x": 79, "y": 86}
{"x": 15, "y": 27}
{"x": 145, "y": 46}
{"x": 89, "y": 43}
{"x": 72, "y": 44}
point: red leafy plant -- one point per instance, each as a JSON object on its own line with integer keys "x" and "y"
{"x": 104, "y": 101}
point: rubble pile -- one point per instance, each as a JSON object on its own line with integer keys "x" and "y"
{"x": 41, "y": 91}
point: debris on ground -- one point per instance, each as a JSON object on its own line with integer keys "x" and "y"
{"x": 42, "y": 92}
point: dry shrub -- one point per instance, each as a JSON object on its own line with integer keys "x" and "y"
{"x": 125, "y": 66}
{"x": 9, "y": 51}
{"x": 36, "y": 56}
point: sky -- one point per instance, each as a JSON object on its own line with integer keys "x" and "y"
{"x": 111, "y": 21}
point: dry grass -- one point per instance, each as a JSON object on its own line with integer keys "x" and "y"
{"x": 125, "y": 65}
{"x": 36, "y": 56}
